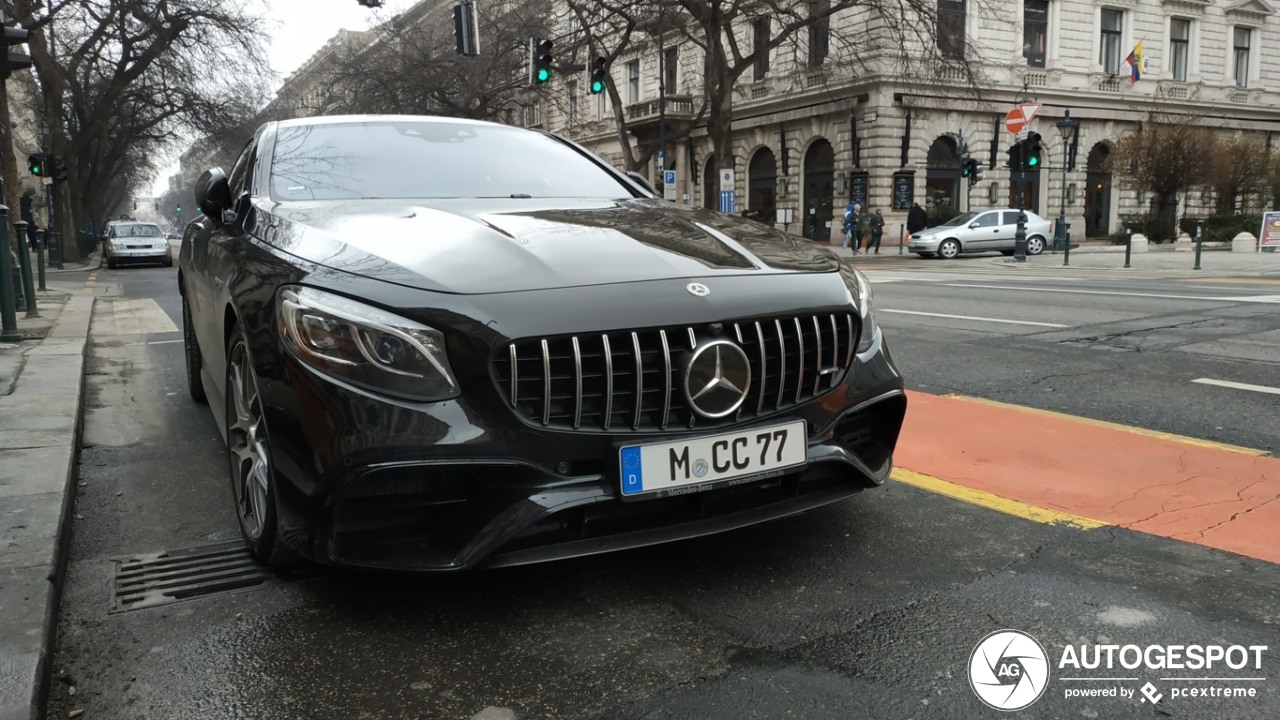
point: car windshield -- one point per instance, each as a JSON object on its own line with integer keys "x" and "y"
{"x": 137, "y": 231}
{"x": 425, "y": 159}
{"x": 964, "y": 219}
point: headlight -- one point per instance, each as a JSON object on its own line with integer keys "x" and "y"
{"x": 365, "y": 346}
{"x": 866, "y": 301}
{"x": 118, "y": 245}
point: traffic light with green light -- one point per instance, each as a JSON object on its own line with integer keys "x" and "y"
{"x": 540, "y": 61}
{"x": 1033, "y": 151}
{"x": 36, "y": 165}
{"x": 599, "y": 69}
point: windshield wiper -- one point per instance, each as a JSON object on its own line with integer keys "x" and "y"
{"x": 521, "y": 196}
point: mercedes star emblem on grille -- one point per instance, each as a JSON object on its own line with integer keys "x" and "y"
{"x": 698, "y": 289}
{"x": 716, "y": 378}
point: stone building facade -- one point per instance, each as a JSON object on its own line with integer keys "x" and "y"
{"x": 811, "y": 131}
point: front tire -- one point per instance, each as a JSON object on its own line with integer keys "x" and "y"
{"x": 949, "y": 249}
{"x": 249, "y": 458}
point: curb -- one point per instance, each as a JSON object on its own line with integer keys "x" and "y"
{"x": 38, "y": 456}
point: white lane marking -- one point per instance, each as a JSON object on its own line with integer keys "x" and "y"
{"x": 155, "y": 342}
{"x": 970, "y": 317}
{"x": 137, "y": 317}
{"x": 1238, "y": 386}
{"x": 1240, "y": 298}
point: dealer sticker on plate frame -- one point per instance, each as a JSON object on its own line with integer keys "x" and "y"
{"x": 694, "y": 464}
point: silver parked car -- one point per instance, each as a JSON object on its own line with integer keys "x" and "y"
{"x": 136, "y": 242}
{"x": 981, "y": 231}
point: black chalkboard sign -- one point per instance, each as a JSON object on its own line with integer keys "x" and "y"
{"x": 858, "y": 189}
{"x": 903, "y": 192}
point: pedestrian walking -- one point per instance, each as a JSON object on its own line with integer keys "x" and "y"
{"x": 853, "y": 226}
{"x": 877, "y": 231}
{"x": 917, "y": 220}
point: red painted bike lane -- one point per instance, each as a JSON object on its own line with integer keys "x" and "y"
{"x": 1196, "y": 491}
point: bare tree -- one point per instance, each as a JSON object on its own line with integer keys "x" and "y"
{"x": 1239, "y": 172}
{"x": 411, "y": 66}
{"x": 122, "y": 79}
{"x": 1164, "y": 156}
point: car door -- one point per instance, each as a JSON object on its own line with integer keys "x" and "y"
{"x": 983, "y": 233}
{"x": 212, "y": 262}
{"x": 1009, "y": 229}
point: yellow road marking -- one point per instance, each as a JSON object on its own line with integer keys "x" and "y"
{"x": 993, "y": 502}
{"x": 1117, "y": 426}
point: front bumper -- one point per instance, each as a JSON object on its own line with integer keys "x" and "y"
{"x": 462, "y": 484}
{"x": 141, "y": 256}
{"x": 926, "y": 244}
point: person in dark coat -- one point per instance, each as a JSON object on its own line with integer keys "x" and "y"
{"x": 877, "y": 231}
{"x": 917, "y": 220}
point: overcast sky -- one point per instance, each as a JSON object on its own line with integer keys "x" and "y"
{"x": 298, "y": 29}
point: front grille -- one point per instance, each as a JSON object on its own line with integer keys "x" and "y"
{"x": 630, "y": 381}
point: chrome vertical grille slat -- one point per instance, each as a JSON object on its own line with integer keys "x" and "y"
{"x": 835, "y": 350}
{"x": 737, "y": 330}
{"x": 782, "y": 363}
{"x": 635, "y": 344}
{"x": 577, "y": 383}
{"x": 608, "y": 381}
{"x": 817, "y": 355}
{"x": 666, "y": 373}
{"x": 546, "y": 383}
{"x": 605, "y": 382}
{"x": 515, "y": 373}
{"x": 693, "y": 339}
{"x": 800, "y": 368}
{"x": 764, "y": 367}
{"x": 848, "y": 361}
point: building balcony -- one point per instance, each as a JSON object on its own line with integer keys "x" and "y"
{"x": 643, "y": 118}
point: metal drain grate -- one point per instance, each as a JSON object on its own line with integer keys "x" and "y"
{"x": 143, "y": 581}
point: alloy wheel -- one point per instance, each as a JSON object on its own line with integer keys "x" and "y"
{"x": 949, "y": 249}
{"x": 247, "y": 440}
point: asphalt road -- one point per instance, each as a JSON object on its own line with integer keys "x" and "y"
{"x": 867, "y": 609}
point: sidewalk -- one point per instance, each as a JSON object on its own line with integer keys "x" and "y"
{"x": 1090, "y": 256}
{"x": 41, "y": 386}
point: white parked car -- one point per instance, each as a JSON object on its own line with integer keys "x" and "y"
{"x": 136, "y": 242}
{"x": 981, "y": 231}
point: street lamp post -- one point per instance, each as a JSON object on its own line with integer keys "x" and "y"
{"x": 1067, "y": 128}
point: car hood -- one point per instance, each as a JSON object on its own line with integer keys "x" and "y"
{"x": 510, "y": 245}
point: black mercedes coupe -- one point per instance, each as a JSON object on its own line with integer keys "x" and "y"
{"x": 439, "y": 344}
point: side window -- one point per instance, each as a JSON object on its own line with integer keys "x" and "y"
{"x": 1011, "y": 218}
{"x": 989, "y": 219}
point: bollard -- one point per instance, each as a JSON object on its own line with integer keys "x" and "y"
{"x": 1020, "y": 238}
{"x": 902, "y": 236}
{"x": 1199, "y": 241}
{"x": 24, "y": 266}
{"x": 1066, "y": 244}
{"x": 8, "y": 312}
{"x": 40, "y": 257}
{"x": 55, "y": 248}
{"x": 1128, "y": 244}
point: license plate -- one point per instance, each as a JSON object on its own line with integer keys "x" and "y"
{"x": 693, "y": 464}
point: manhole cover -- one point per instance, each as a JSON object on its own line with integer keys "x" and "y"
{"x": 143, "y": 581}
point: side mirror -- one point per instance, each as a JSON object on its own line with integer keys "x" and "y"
{"x": 643, "y": 182}
{"x": 213, "y": 194}
{"x": 973, "y": 225}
